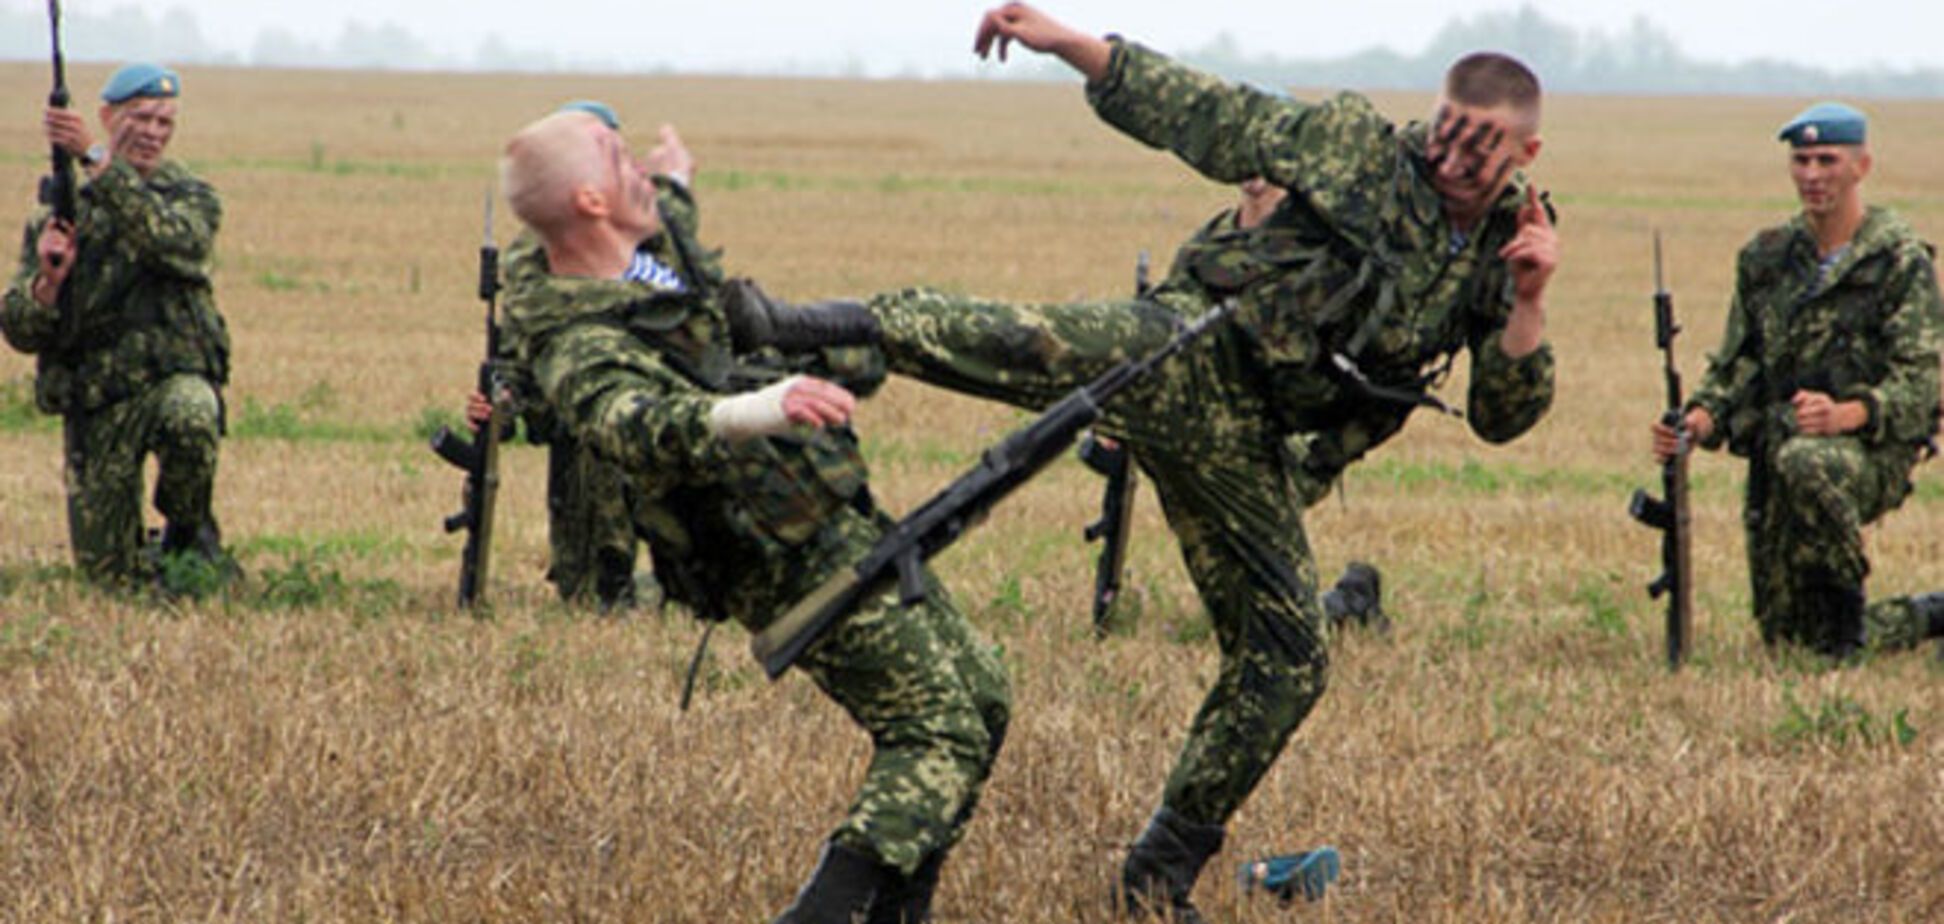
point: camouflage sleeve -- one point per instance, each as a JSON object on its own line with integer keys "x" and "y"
{"x": 28, "y": 325}
{"x": 680, "y": 243}
{"x": 175, "y": 232}
{"x": 1221, "y": 129}
{"x": 1728, "y": 384}
{"x": 1507, "y": 396}
{"x": 617, "y": 396}
{"x": 1903, "y": 404}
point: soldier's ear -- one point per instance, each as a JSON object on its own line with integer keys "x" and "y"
{"x": 1863, "y": 163}
{"x": 590, "y": 202}
{"x": 1528, "y": 150}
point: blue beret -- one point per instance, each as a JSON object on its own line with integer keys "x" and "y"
{"x": 1825, "y": 123}
{"x": 598, "y": 110}
{"x": 134, "y": 80}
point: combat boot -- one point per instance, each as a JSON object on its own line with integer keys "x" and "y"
{"x": 756, "y": 321}
{"x": 1930, "y": 611}
{"x": 908, "y": 899}
{"x": 840, "y": 890}
{"x": 1357, "y": 597}
{"x": 1162, "y": 866}
{"x": 1840, "y": 607}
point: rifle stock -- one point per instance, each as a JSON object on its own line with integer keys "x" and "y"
{"x": 903, "y": 549}
{"x": 1669, "y": 513}
{"x": 479, "y": 458}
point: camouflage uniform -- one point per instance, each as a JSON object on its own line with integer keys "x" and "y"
{"x": 741, "y": 531}
{"x": 1865, "y": 328}
{"x": 136, "y": 365}
{"x": 1319, "y": 457}
{"x": 1359, "y": 260}
{"x": 590, "y": 516}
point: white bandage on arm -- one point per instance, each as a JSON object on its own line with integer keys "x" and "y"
{"x": 752, "y": 414}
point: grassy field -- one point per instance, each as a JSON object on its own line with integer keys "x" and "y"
{"x": 334, "y": 743}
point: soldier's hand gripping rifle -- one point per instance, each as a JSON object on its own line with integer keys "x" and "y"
{"x": 1113, "y": 462}
{"x": 479, "y": 458}
{"x": 901, "y": 553}
{"x": 1669, "y": 513}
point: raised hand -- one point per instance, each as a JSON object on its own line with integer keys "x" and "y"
{"x": 1017, "y": 22}
{"x": 1533, "y": 252}
{"x": 671, "y": 158}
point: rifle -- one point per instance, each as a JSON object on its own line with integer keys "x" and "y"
{"x": 57, "y": 187}
{"x": 1112, "y": 461}
{"x": 1670, "y": 513}
{"x": 479, "y": 458}
{"x": 901, "y": 552}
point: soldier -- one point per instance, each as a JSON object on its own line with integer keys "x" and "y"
{"x": 1827, "y": 382}
{"x": 133, "y": 353}
{"x": 1397, "y": 248}
{"x": 590, "y": 506}
{"x": 752, "y": 498}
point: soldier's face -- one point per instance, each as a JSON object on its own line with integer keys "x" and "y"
{"x": 1828, "y": 177}
{"x": 632, "y": 191}
{"x": 1473, "y": 150}
{"x": 139, "y": 131}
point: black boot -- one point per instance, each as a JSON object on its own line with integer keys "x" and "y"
{"x": 1841, "y": 609}
{"x": 1357, "y": 597}
{"x": 908, "y": 899}
{"x": 756, "y": 320}
{"x": 1163, "y": 864}
{"x": 840, "y": 890}
{"x": 1930, "y": 610}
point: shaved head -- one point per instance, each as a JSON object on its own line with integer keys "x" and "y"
{"x": 547, "y": 162}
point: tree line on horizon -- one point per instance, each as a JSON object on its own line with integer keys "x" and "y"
{"x": 1644, "y": 58}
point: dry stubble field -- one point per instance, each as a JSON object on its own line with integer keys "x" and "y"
{"x": 334, "y": 743}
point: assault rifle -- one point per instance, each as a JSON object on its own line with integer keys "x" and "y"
{"x": 1112, "y": 461}
{"x": 57, "y": 187}
{"x": 1669, "y": 513}
{"x": 901, "y": 553}
{"x": 479, "y": 458}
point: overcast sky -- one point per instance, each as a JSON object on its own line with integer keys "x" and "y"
{"x": 930, "y": 36}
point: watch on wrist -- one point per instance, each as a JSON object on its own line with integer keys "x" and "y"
{"x": 94, "y": 156}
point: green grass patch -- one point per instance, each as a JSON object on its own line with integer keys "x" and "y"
{"x": 1837, "y": 721}
{"x": 298, "y": 424}
{"x": 17, "y": 411}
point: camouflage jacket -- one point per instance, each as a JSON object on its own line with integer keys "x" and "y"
{"x": 737, "y": 530}
{"x": 1359, "y": 260}
{"x": 526, "y": 263}
{"x": 1866, "y": 329}
{"x": 137, "y": 306}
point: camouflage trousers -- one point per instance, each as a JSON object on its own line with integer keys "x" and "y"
{"x": 590, "y": 526}
{"x": 934, "y": 698}
{"x": 179, "y": 420}
{"x": 1225, "y": 480}
{"x": 1804, "y": 514}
